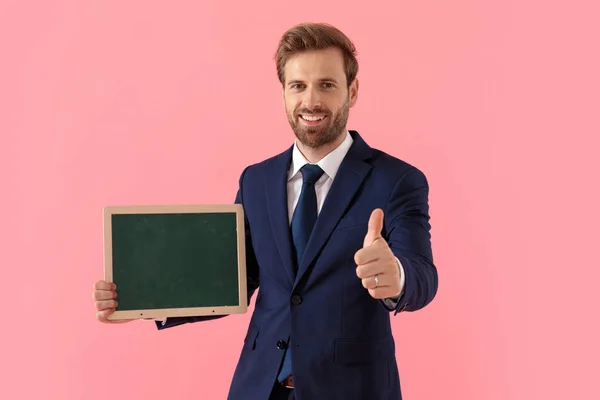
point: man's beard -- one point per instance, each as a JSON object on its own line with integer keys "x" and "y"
{"x": 323, "y": 134}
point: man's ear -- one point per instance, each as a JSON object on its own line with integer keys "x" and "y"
{"x": 353, "y": 92}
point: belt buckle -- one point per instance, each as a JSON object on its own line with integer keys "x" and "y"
{"x": 288, "y": 382}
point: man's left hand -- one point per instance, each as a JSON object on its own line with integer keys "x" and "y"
{"x": 377, "y": 266}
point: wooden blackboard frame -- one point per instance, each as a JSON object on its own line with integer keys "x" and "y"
{"x": 241, "y": 308}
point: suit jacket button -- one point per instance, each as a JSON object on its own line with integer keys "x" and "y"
{"x": 296, "y": 299}
{"x": 281, "y": 345}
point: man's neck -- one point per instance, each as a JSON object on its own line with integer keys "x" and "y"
{"x": 314, "y": 155}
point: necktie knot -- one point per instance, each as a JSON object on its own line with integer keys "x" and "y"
{"x": 311, "y": 173}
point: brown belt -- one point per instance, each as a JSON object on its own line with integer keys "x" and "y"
{"x": 288, "y": 382}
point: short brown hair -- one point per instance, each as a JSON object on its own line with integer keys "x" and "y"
{"x": 316, "y": 36}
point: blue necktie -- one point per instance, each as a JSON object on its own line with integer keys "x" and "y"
{"x": 303, "y": 221}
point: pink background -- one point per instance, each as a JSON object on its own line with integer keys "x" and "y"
{"x": 144, "y": 102}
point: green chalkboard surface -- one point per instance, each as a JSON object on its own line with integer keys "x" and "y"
{"x": 175, "y": 260}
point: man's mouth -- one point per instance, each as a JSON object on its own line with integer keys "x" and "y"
{"x": 311, "y": 120}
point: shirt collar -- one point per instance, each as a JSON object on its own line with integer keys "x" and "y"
{"x": 329, "y": 164}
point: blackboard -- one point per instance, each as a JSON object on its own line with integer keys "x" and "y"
{"x": 175, "y": 260}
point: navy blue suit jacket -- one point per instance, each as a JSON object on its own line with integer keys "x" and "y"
{"x": 342, "y": 343}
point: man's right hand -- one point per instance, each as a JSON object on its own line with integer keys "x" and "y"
{"x": 105, "y": 300}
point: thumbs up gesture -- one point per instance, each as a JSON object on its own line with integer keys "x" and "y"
{"x": 376, "y": 264}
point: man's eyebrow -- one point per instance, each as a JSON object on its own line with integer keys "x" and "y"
{"x": 326, "y": 79}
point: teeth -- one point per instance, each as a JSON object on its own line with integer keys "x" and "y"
{"x": 312, "y": 118}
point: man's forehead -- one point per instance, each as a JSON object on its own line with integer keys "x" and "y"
{"x": 315, "y": 65}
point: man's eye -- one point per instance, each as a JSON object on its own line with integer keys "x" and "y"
{"x": 328, "y": 85}
{"x": 297, "y": 86}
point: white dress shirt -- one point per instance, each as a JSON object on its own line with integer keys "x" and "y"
{"x": 330, "y": 165}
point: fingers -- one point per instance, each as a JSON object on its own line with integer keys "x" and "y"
{"x": 103, "y": 285}
{"x": 370, "y": 270}
{"x": 382, "y": 281}
{"x": 387, "y": 267}
{"x": 369, "y": 254}
{"x": 104, "y": 295}
{"x": 104, "y": 291}
{"x": 106, "y": 304}
{"x": 388, "y": 278}
{"x": 387, "y": 286}
{"x": 103, "y": 315}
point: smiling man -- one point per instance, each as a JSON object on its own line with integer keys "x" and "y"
{"x": 317, "y": 98}
{"x": 338, "y": 240}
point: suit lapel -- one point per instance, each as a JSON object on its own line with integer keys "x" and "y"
{"x": 277, "y": 205}
{"x": 352, "y": 172}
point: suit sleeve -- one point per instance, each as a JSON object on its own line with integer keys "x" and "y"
{"x": 408, "y": 234}
{"x": 251, "y": 271}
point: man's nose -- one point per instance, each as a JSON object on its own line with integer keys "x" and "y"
{"x": 312, "y": 99}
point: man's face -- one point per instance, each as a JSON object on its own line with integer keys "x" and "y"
{"x": 316, "y": 95}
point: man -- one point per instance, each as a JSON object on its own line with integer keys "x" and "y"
{"x": 337, "y": 237}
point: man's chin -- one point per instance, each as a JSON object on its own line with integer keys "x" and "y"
{"x": 314, "y": 138}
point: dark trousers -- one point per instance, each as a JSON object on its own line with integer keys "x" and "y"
{"x": 281, "y": 393}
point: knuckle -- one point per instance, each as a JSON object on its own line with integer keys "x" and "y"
{"x": 360, "y": 273}
{"x": 102, "y": 316}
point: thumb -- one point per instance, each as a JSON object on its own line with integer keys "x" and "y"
{"x": 375, "y": 227}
